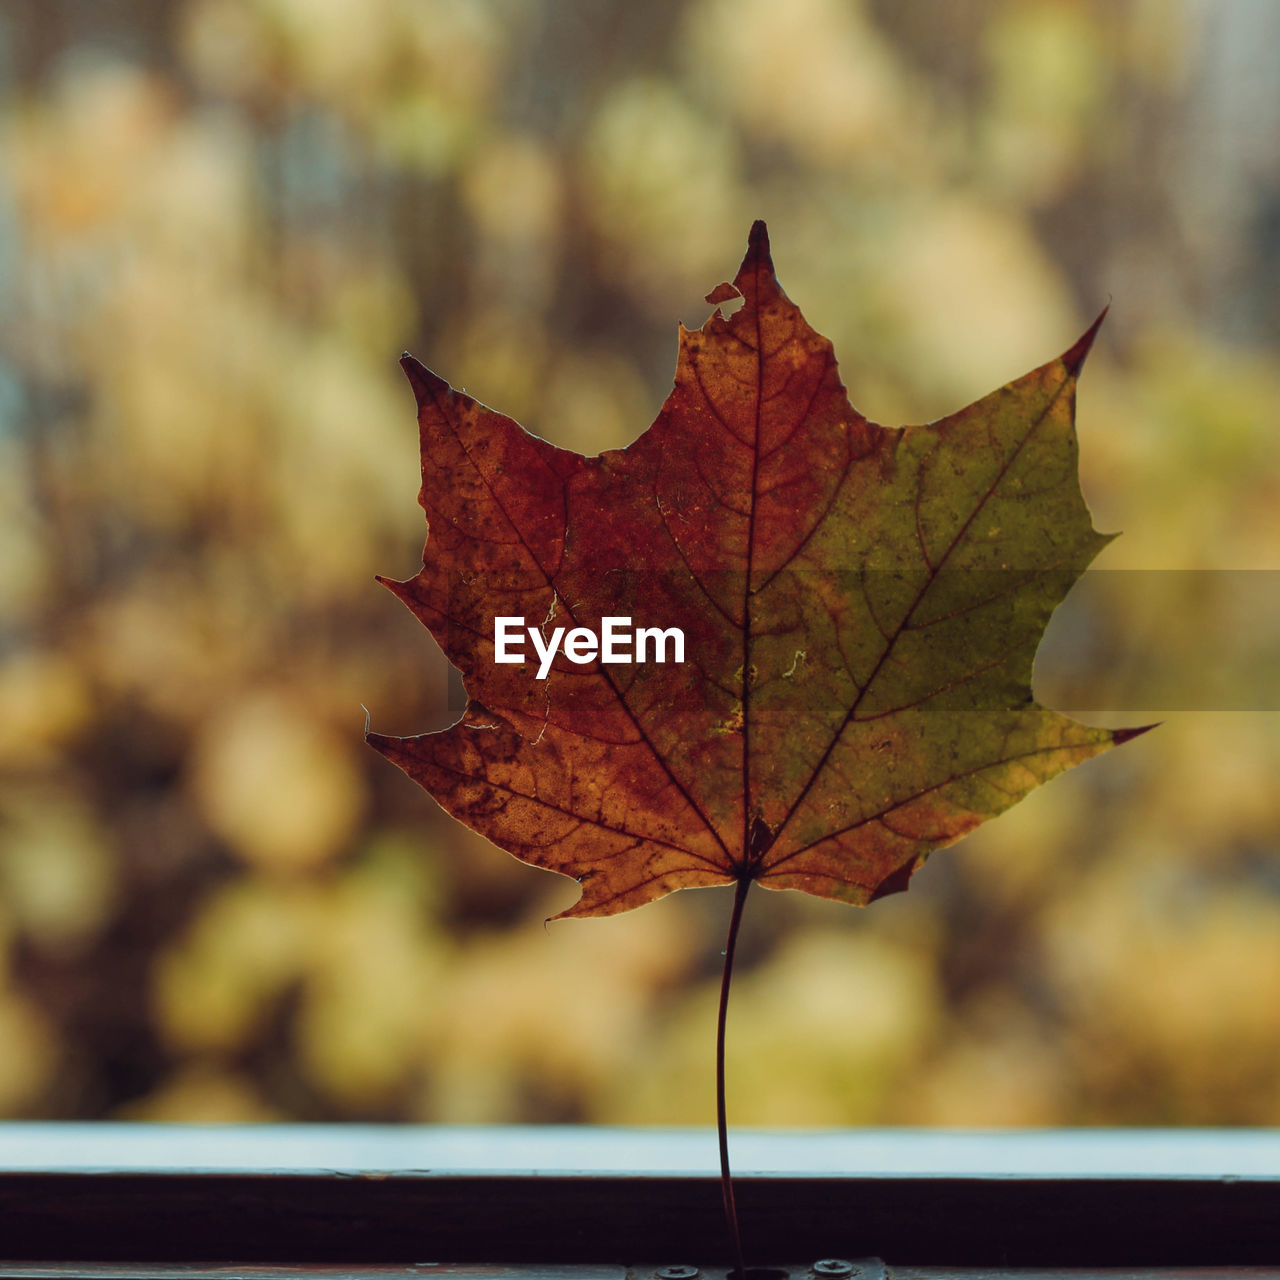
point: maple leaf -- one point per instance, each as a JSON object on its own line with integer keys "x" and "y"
{"x": 860, "y": 605}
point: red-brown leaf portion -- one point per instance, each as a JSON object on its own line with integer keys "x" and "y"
{"x": 861, "y": 607}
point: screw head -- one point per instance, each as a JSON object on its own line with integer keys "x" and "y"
{"x": 832, "y": 1267}
{"x": 680, "y": 1271}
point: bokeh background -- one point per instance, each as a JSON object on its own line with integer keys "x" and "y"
{"x": 220, "y": 223}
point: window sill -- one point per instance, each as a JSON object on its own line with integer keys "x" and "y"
{"x": 497, "y": 1197}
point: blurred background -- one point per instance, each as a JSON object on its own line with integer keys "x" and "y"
{"x": 220, "y": 223}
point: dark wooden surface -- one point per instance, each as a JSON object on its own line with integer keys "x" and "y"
{"x": 610, "y": 1199}
{"x": 329, "y": 1271}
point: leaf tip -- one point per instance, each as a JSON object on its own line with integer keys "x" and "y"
{"x": 397, "y": 588}
{"x": 758, "y": 254}
{"x": 1074, "y": 357}
{"x": 426, "y": 385}
{"x": 1121, "y": 736}
{"x": 896, "y": 881}
{"x": 577, "y": 910}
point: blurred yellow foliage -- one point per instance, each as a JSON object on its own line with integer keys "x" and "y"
{"x": 835, "y": 1018}
{"x": 662, "y": 187}
{"x": 816, "y": 75}
{"x": 282, "y": 790}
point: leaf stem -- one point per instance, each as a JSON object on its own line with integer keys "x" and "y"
{"x": 726, "y": 1178}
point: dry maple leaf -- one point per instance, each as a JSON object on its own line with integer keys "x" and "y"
{"x": 861, "y": 607}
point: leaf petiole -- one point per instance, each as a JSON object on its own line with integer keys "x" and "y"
{"x": 726, "y": 1177}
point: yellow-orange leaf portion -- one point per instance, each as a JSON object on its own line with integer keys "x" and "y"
{"x": 861, "y": 607}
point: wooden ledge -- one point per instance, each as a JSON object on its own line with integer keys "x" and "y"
{"x": 559, "y": 1196}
